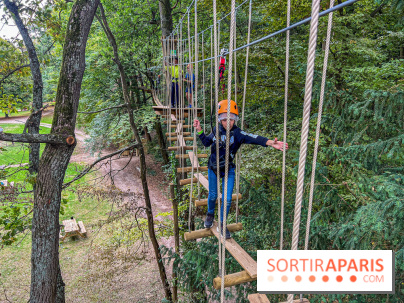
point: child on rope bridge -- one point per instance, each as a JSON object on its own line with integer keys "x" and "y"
{"x": 237, "y": 137}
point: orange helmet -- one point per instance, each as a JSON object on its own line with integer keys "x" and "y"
{"x": 223, "y": 107}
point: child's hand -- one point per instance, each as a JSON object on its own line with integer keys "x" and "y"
{"x": 277, "y": 144}
{"x": 197, "y": 125}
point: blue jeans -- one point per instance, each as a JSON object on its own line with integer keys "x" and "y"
{"x": 175, "y": 96}
{"x": 213, "y": 191}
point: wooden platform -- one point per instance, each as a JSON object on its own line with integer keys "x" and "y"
{"x": 204, "y": 202}
{"x": 298, "y": 301}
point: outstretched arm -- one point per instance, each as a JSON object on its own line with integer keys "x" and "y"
{"x": 277, "y": 144}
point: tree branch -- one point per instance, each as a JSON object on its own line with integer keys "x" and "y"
{"x": 13, "y": 71}
{"x": 175, "y": 5}
{"x": 104, "y": 109}
{"x": 38, "y": 138}
{"x": 87, "y": 170}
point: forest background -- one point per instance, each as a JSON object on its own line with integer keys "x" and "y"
{"x": 360, "y": 183}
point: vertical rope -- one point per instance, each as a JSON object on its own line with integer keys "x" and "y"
{"x": 189, "y": 114}
{"x": 204, "y": 86}
{"x": 244, "y": 95}
{"x": 226, "y": 176}
{"x": 285, "y": 120}
{"x": 320, "y": 111}
{"x": 195, "y": 94}
{"x": 217, "y": 134}
{"x": 305, "y": 124}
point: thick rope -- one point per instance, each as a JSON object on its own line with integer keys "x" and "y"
{"x": 204, "y": 87}
{"x": 244, "y": 96}
{"x": 226, "y": 176}
{"x": 217, "y": 135}
{"x": 320, "y": 111}
{"x": 305, "y": 124}
{"x": 285, "y": 120}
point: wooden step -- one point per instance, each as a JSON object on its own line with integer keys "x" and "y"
{"x": 181, "y": 148}
{"x": 206, "y": 232}
{"x": 298, "y": 301}
{"x": 182, "y": 115}
{"x": 242, "y": 257}
{"x": 189, "y": 169}
{"x": 175, "y": 109}
{"x": 186, "y": 156}
{"x": 176, "y": 138}
{"x": 176, "y": 134}
{"x": 233, "y": 279}
{"x": 174, "y": 122}
{"x": 203, "y": 180}
{"x": 190, "y": 180}
{"x": 204, "y": 202}
{"x": 257, "y": 298}
{"x": 184, "y": 126}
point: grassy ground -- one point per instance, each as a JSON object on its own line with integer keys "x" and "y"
{"x": 114, "y": 264}
{"x": 47, "y": 119}
{"x": 18, "y": 114}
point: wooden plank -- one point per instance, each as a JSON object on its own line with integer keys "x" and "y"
{"x": 174, "y": 121}
{"x": 189, "y": 169}
{"x": 184, "y": 126}
{"x": 203, "y": 180}
{"x": 258, "y": 298}
{"x": 244, "y": 259}
{"x": 173, "y": 118}
{"x": 178, "y": 128}
{"x": 184, "y": 138}
{"x": 233, "y": 279}
{"x": 155, "y": 98}
{"x": 176, "y": 109}
{"x": 206, "y": 232}
{"x": 164, "y": 115}
{"x": 181, "y": 141}
{"x": 180, "y": 148}
{"x": 298, "y": 301}
{"x": 187, "y": 156}
{"x": 204, "y": 202}
{"x": 194, "y": 159}
{"x": 176, "y": 134}
{"x": 195, "y": 180}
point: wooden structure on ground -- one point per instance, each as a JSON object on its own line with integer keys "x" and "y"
{"x": 72, "y": 228}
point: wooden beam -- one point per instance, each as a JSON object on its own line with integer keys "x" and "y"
{"x": 203, "y": 233}
{"x": 194, "y": 159}
{"x": 184, "y": 126}
{"x": 258, "y": 298}
{"x": 186, "y": 156}
{"x": 244, "y": 259}
{"x": 204, "y": 202}
{"x": 176, "y": 139}
{"x": 174, "y": 121}
{"x": 184, "y": 148}
{"x": 203, "y": 180}
{"x": 159, "y": 112}
{"x": 189, "y": 170}
{"x": 194, "y": 180}
{"x": 175, "y": 110}
{"x": 298, "y": 301}
{"x": 233, "y": 279}
{"x": 176, "y": 134}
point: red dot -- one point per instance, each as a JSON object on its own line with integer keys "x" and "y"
{"x": 353, "y": 278}
{"x": 298, "y": 278}
{"x": 339, "y": 278}
{"x": 325, "y": 278}
{"x": 312, "y": 278}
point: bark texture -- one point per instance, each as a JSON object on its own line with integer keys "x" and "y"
{"x": 55, "y": 158}
{"x": 149, "y": 213}
{"x": 166, "y": 17}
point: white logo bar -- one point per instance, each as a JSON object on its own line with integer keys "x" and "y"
{"x": 325, "y": 271}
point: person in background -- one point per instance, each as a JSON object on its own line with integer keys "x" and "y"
{"x": 190, "y": 85}
{"x": 174, "y": 72}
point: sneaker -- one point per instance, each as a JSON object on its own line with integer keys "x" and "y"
{"x": 190, "y": 106}
{"x": 209, "y": 220}
{"x": 228, "y": 234}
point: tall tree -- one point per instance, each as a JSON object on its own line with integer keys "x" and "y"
{"x": 166, "y": 17}
{"x": 56, "y": 156}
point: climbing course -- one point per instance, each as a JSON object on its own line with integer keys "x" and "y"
{"x": 180, "y": 53}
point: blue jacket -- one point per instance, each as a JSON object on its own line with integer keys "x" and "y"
{"x": 237, "y": 137}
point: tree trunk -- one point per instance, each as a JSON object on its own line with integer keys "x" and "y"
{"x": 34, "y": 121}
{"x": 55, "y": 158}
{"x": 162, "y": 143}
{"x": 147, "y": 135}
{"x": 149, "y": 213}
{"x": 166, "y": 17}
